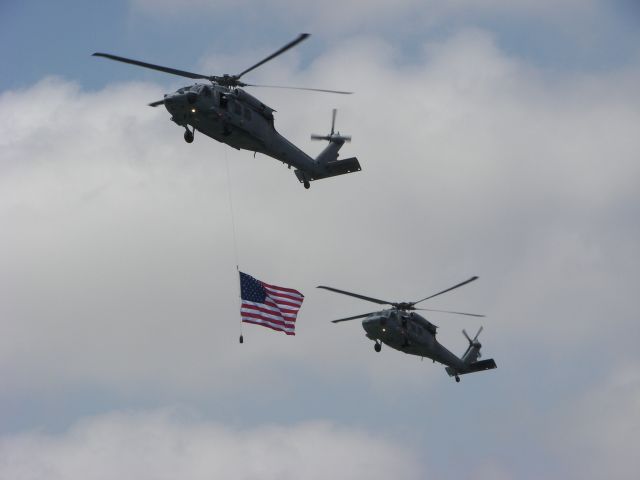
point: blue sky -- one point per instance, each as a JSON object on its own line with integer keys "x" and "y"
{"x": 496, "y": 139}
{"x": 42, "y": 38}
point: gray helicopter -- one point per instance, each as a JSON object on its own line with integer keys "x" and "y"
{"x": 223, "y": 111}
{"x": 403, "y": 329}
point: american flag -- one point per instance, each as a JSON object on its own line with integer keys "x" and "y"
{"x": 268, "y": 305}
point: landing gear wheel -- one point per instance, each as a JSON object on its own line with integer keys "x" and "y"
{"x": 188, "y": 136}
{"x": 306, "y": 185}
{"x": 457, "y": 379}
{"x": 377, "y": 347}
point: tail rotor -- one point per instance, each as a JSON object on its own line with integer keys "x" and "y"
{"x": 473, "y": 343}
{"x": 332, "y": 137}
{"x": 470, "y": 362}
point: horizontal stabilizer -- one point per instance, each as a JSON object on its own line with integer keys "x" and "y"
{"x": 341, "y": 167}
{"x": 333, "y": 169}
{"x": 480, "y": 366}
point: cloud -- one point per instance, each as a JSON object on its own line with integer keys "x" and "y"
{"x": 122, "y": 232}
{"x": 596, "y": 435}
{"x": 163, "y": 444}
{"x": 117, "y": 270}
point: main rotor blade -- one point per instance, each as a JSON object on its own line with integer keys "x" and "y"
{"x": 299, "y": 88}
{"x": 351, "y": 318}
{"x": 361, "y": 297}
{"x": 449, "y": 311}
{"x": 289, "y": 45}
{"x": 173, "y": 71}
{"x": 447, "y": 290}
{"x": 156, "y": 103}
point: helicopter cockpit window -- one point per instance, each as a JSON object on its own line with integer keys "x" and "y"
{"x": 206, "y": 91}
{"x": 223, "y": 101}
{"x": 237, "y": 109}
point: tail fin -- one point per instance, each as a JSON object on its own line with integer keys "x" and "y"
{"x": 336, "y": 141}
{"x": 327, "y": 160}
{"x": 470, "y": 358}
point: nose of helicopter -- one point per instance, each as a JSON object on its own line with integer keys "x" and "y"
{"x": 180, "y": 102}
{"x": 372, "y": 325}
{"x": 172, "y": 101}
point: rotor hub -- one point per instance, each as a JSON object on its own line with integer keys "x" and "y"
{"x": 404, "y": 306}
{"x": 227, "y": 80}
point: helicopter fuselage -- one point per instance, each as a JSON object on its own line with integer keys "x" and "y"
{"x": 409, "y": 333}
{"x": 238, "y": 119}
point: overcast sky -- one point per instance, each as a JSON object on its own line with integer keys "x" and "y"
{"x": 497, "y": 138}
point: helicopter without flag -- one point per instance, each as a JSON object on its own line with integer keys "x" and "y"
{"x": 403, "y": 329}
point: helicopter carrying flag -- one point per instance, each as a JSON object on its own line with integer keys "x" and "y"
{"x": 269, "y": 305}
{"x": 224, "y": 111}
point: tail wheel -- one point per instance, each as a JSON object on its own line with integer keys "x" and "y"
{"x": 377, "y": 347}
{"x": 188, "y": 136}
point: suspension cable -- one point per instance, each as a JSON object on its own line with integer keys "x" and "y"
{"x": 233, "y": 228}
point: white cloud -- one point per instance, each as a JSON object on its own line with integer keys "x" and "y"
{"x": 117, "y": 272}
{"x": 117, "y": 265}
{"x": 597, "y": 435}
{"x": 163, "y": 445}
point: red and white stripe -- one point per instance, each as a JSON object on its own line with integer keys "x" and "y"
{"x": 279, "y": 311}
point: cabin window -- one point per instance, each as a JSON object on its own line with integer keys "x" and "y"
{"x": 223, "y": 101}
{"x": 247, "y": 113}
{"x": 237, "y": 109}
